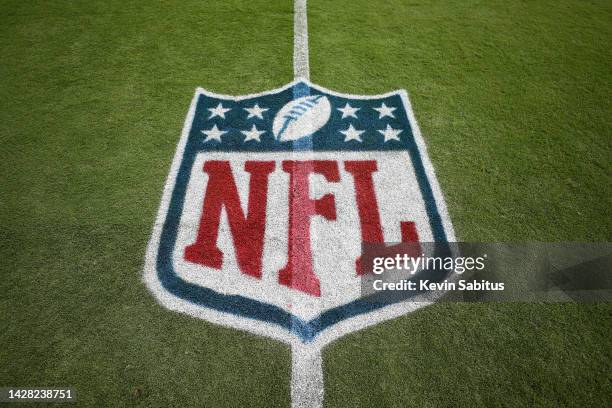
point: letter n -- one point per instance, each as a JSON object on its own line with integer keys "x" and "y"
{"x": 247, "y": 232}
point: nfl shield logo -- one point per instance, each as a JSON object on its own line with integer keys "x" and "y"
{"x": 269, "y": 199}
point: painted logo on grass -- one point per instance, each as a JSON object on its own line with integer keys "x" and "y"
{"x": 269, "y": 200}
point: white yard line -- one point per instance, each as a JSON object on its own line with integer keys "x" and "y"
{"x": 307, "y": 387}
{"x": 301, "y": 69}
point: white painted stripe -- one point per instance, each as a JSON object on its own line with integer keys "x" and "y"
{"x": 301, "y": 69}
{"x": 307, "y": 387}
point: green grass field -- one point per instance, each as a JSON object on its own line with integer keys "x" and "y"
{"x": 513, "y": 99}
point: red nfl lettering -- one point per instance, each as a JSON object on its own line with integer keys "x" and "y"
{"x": 248, "y": 231}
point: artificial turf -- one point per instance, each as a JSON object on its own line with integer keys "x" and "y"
{"x": 513, "y": 99}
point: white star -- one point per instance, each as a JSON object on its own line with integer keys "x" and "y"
{"x": 352, "y": 134}
{"x": 213, "y": 134}
{"x": 348, "y": 111}
{"x": 252, "y": 134}
{"x": 255, "y": 111}
{"x": 390, "y": 134}
{"x": 218, "y": 111}
{"x": 385, "y": 110}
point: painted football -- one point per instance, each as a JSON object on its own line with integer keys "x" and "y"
{"x": 301, "y": 117}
